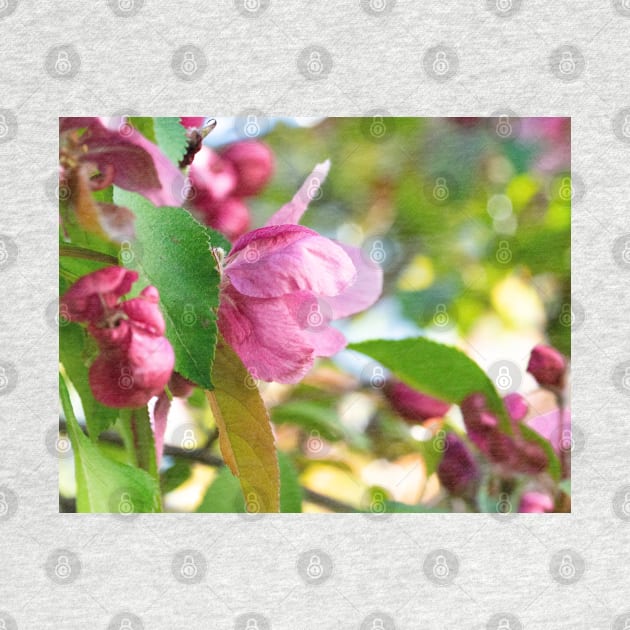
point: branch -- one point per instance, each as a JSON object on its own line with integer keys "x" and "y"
{"x": 202, "y": 456}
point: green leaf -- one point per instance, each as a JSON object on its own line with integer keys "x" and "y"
{"x": 290, "y": 489}
{"x": 311, "y": 417}
{"x": 245, "y": 435}
{"x": 172, "y": 252}
{"x": 103, "y": 484}
{"x": 175, "y": 476}
{"x": 435, "y": 369}
{"x": 72, "y": 354}
{"x": 171, "y": 137}
{"x": 223, "y": 494}
{"x": 144, "y": 124}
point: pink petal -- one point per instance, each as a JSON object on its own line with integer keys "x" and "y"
{"x": 292, "y": 212}
{"x": 265, "y": 335}
{"x": 548, "y": 425}
{"x": 83, "y": 301}
{"x": 158, "y": 414}
{"x": 313, "y": 316}
{"x": 365, "y": 290}
{"x": 143, "y": 311}
{"x": 212, "y": 178}
{"x": 277, "y": 260}
{"x": 138, "y": 164}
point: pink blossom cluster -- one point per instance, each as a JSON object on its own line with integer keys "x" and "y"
{"x": 221, "y": 181}
{"x": 135, "y": 360}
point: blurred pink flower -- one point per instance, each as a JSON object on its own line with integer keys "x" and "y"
{"x": 553, "y": 136}
{"x": 122, "y": 156}
{"x": 135, "y": 360}
{"x": 253, "y": 163}
{"x": 283, "y": 284}
{"x": 221, "y": 180}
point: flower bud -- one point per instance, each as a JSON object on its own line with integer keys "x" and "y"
{"x": 458, "y": 471}
{"x": 253, "y": 162}
{"x": 535, "y": 502}
{"x": 229, "y": 216}
{"x": 412, "y": 405}
{"x": 547, "y": 366}
{"x": 192, "y": 121}
{"x": 179, "y": 386}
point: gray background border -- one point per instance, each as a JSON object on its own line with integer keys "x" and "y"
{"x": 126, "y": 56}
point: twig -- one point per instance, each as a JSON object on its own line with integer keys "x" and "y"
{"x": 202, "y": 456}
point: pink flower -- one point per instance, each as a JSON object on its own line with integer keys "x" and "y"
{"x": 122, "y": 156}
{"x": 547, "y": 366}
{"x": 535, "y": 502}
{"x": 412, "y": 405}
{"x": 283, "y": 284}
{"x": 135, "y": 360}
{"x": 253, "y": 163}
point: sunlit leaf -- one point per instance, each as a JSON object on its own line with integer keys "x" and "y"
{"x": 245, "y": 435}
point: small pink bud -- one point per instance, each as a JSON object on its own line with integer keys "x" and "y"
{"x": 192, "y": 121}
{"x": 253, "y": 162}
{"x": 412, "y": 405}
{"x": 547, "y": 366}
{"x": 458, "y": 471}
{"x": 535, "y": 502}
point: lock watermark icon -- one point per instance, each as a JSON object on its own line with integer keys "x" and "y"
{"x": 440, "y": 62}
{"x": 441, "y": 567}
{"x": 252, "y": 128}
{"x": 567, "y": 63}
{"x": 315, "y": 63}
{"x": 189, "y": 63}
{"x": 567, "y": 566}
{"x": 314, "y": 566}
{"x": 189, "y": 566}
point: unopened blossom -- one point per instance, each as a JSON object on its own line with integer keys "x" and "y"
{"x": 412, "y": 405}
{"x": 192, "y": 122}
{"x": 135, "y": 360}
{"x": 547, "y": 366}
{"x": 211, "y": 197}
{"x": 221, "y": 181}
{"x": 458, "y": 471}
{"x": 513, "y": 452}
{"x": 253, "y": 163}
{"x": 533, "y": 502}
{"x": 283, "y": 284}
